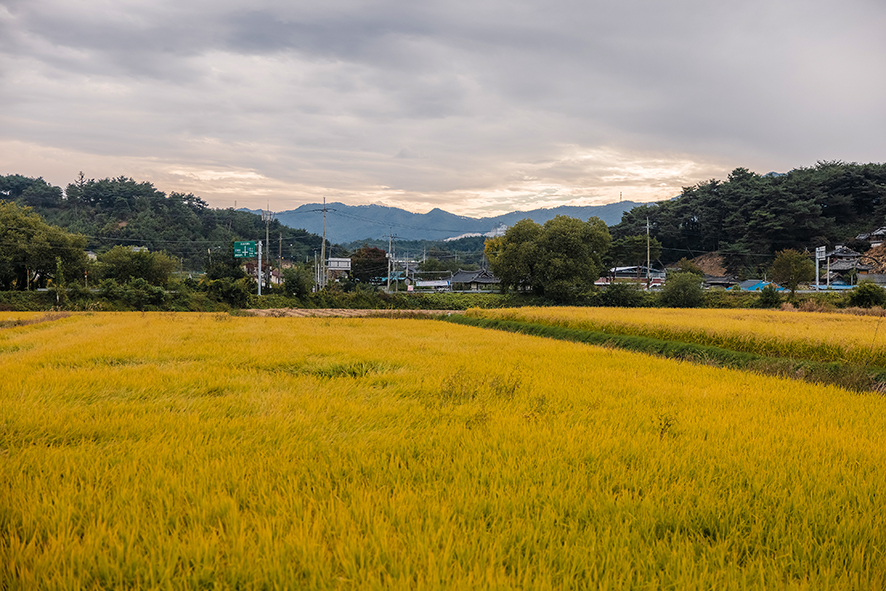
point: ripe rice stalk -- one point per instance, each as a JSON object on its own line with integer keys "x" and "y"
{"x": 184, "y": 451}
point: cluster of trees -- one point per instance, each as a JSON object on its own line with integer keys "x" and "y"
{"x": 33, "y": 252}
{"x": 368, "y": 263}
{"x": 114, "y": 211}
{"x": 35, "y": 255}
{"x": 749, "y": 217}
{"x": 559, "y": 260}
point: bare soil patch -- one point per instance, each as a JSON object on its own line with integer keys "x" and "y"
{"x": 347, "y": 313}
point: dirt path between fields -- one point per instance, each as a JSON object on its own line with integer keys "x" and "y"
{"x": 346, "y": 313}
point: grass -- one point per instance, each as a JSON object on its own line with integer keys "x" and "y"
{"x": 189, "y": 451}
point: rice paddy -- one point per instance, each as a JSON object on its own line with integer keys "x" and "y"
{"x": 200, "y": 451}
{"x": 820, "y": 337}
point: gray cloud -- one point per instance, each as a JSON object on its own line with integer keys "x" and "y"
{"x": 504, "y": 102}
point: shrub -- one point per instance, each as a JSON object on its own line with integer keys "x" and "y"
{"x": 621, "y": 295}
{"x": 867, "y": 295}
{"x": 297, "y": 281}
{"x": 682, "y": 290}
{"x": 721, "y": 298}
{"x": 769, "y": 297}
{"x": 139, "y": 294}
{"x": 235, "y": 293}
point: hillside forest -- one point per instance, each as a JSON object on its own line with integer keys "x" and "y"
{"x": 750, "y": 217}
{"x": 120, "y": 211}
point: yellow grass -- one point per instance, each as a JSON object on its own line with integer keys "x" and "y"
{"x": 200, "y": 451}
{"x": 819, "y": 336}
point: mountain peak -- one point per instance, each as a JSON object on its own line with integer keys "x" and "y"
{"x": 349, "y": 223}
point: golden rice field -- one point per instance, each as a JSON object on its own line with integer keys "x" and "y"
{"x": 199, "y": 451}
{"x": 773, "y": 333}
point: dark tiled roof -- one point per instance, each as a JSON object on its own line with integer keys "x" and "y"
{"x": 481, "y": 276}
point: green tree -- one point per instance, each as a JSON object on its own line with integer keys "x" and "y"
{"x": 791, "y": 268}
{"x": 367, "y": 263}
{"x": 140, "y": 294}
{"x": 222, "y": 264}
{"x": 572, "y": 256}
{"x": 867, "y": 294}
{"x": 233, "y": 292}
{"x": 492, "y": 247}
{"x": 30, "y": 192}
{"x": 682, "y": 290}
{"x": 123, "y": 263}
{"x": 516, "y": 258}
{"x": 298, "y": 281}
{"x": 560, "y": 260}
{"x": 769, "y": 297}
{"x": 30, "y": 249}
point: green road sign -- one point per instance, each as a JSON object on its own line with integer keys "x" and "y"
{"x": 244, "y": 250}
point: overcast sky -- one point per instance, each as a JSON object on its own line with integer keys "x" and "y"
{"x": 477, "y": 107}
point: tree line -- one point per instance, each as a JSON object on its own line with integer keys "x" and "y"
{"x": 120, "y": 211}
{"x": 750, "y": 217}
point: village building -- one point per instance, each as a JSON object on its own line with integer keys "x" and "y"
{"x": 876, "y": 237}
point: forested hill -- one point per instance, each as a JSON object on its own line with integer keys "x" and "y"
{"x": 750, "y": 217}
{"x": 122, "y": 211}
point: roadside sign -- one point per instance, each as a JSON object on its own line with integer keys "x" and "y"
{"x": 819, "y": 253}
{"x": 244, "y": 250}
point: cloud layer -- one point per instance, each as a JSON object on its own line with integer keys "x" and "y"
{"x": 475, "y": 107}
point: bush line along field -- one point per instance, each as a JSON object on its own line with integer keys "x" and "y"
{"x": 822, "y": 337}
{"x": 184, "y": 451}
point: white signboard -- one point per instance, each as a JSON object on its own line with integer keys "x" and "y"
{"x": 338, "y": 264}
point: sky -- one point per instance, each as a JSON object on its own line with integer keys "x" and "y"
{"x": 478, "y": 107}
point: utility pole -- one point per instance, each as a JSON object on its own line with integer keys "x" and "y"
{"x": 259, "y": 267}
{"x": 267, "y": 217}
{"x": 829, "y": 272}
{"x": 390, "y": 256}
{"x": 323, "y": 250}
{"x": 390, "y": 260}
{"x": 321, "y": 270}
{"x": 648, "y": 262}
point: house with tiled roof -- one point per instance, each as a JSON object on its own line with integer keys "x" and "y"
{"x": 479, "y": 280}
{"x": 876, "y": 238}
{"x": 843, "y": 263}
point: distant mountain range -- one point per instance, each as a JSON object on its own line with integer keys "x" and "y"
{"x": 349, "y": 223}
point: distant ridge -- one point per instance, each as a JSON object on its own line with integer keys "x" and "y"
{"x": 349, "y": 223}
